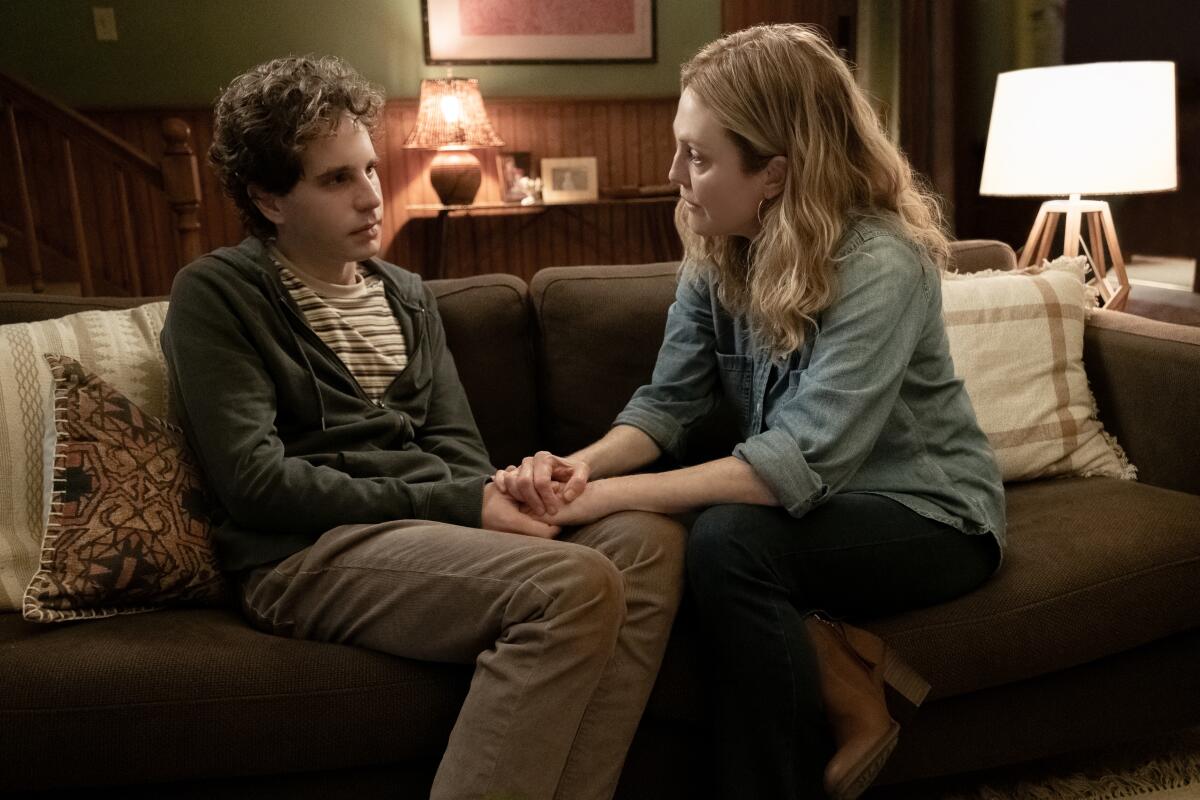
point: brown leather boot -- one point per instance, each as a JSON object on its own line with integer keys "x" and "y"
{"x": 855, "y": 667}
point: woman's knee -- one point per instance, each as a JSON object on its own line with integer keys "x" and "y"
{"x": 721, "y": 541}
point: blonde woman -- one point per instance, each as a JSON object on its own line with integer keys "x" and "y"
{"x": 810, "y": 299}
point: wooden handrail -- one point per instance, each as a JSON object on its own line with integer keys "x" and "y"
{"x": 181, "y": 181}
{"x": 78, "y": 127}
{"x": 177, "y": 177}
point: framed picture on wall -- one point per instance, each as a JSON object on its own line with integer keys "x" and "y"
{"x": 569, "y": 180}
{"x": 537, "y": 32}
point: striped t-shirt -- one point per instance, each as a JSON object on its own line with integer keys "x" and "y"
{"x": 354, "y": 319}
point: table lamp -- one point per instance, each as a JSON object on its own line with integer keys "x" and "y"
{"x": 451, "y": 119}
{"x": 1104, "y": 128}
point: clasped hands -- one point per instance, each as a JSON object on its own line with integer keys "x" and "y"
{"x": 552, "y": 491}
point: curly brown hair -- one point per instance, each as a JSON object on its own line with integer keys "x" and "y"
{"x": 266, "y": 116}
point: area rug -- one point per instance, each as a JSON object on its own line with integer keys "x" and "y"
{"x": 1166, "y": 768}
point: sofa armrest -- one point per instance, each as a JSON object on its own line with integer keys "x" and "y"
{"x": 976, "y": 255}
{"x": 1146, "y": 378}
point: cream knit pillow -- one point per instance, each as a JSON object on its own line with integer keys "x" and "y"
{"x": 1017, "y": 343}
{"x": 120, "y": 346}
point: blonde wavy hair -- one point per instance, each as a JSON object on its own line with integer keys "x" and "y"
{"x": 783, "y": 90}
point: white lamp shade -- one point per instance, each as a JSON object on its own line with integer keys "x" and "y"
{"x": 1106, "y": 128}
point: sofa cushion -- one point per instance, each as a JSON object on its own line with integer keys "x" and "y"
{"x": 191, "y": 693}
{"x": 489, "y": 331}
{"x": 129, "y": 525}
{"x": 614, "y": 315}
{"x": 1088, "y": 564}
{"x": 122, "y": 347}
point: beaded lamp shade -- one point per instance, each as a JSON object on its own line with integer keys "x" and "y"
{"x": 451, "y": 113}
{"x": 451, "y": 119}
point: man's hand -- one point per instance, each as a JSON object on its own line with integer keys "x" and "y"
{"x": 533, "y": 483}
{"x": 500, "y": 513}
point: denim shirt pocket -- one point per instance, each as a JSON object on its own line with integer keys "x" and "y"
{"x": 737, "y": 376}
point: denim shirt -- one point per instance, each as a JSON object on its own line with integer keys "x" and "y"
{"x": 869, "y": 403}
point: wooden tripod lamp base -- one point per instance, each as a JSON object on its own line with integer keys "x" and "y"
{"x": 1095, "y": 214}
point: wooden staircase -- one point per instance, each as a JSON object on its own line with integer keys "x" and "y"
{"x": 54, "y": 236}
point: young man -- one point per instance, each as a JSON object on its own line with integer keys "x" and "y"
{"x": 314, "y": 382}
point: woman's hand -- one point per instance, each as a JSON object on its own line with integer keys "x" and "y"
{"x": 532, "y": 484}
{"x": 595, "y": 502}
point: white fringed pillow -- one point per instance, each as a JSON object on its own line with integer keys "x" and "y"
{"x": 1017, "y": 343}
{"x": 122, "y": 347}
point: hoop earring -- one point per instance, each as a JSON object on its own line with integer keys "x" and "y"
{"x": 758, "y": 213}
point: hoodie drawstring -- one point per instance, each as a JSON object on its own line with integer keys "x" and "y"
{"x": 312, "y": 374}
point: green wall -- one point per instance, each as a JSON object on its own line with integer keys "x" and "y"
{"x": 179, "y": 53}
{"x": 1003, "y": 35}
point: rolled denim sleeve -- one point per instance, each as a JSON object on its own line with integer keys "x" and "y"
{"x": 682, "y": 389}
{"x": 826, "y": 426}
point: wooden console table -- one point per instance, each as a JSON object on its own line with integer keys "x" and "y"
{"x": 609, "y": 241}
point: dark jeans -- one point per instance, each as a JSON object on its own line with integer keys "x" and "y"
{"x": 755, "y": 573}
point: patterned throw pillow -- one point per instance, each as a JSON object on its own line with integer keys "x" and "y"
{"x": 129, "y": 517}
{"x": 122, "y": 347}
{"x": 1017, "y": 343}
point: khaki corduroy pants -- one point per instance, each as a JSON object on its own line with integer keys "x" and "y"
{"x": 566, "y": 635}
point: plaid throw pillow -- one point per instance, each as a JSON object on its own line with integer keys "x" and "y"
{"x": 129, "y": 516}
{"x": 1017, "y": 342}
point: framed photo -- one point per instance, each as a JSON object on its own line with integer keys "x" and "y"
{"x": 510, "y": 168}
{"x": 569, "y": 180}
{"x": 537, "y": 32}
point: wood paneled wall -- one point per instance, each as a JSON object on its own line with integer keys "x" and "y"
{"x": 633, "y": 145}
{"x": 631, "y": 139}
{"x": 99, "y": 198}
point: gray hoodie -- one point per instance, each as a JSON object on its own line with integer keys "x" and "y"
{"x": 290, "y": 444}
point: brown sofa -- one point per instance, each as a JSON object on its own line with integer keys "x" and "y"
{"x": 1089, "y": 635}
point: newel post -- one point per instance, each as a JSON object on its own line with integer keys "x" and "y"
{"x": 181, "y": 180}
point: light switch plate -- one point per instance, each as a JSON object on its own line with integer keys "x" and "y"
{"x": 106, "y": 24}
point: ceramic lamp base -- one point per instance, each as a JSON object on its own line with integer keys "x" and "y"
{"x": 455, "y": 175}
